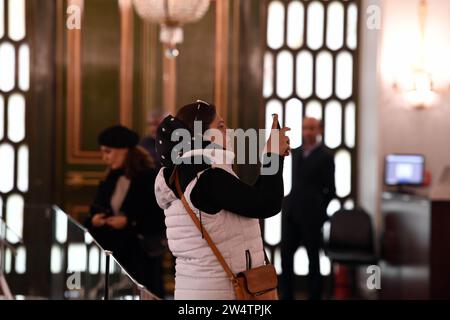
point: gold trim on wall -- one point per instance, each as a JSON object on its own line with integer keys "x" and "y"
{"x": 169, "y": 82}
{"x": 126, "y": 62}
{"x": 83, "y": 178}
{"x": 60, "y": 59}
{"x": 149, "y": 40}
{"x": 235, "y": 61}
{"x": 221, "y": 57}
{"x": 75, "y": 155}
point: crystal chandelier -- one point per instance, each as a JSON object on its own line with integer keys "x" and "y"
{"x": 171, "y": 15}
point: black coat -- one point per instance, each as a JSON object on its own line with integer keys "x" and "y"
{"x": 312, "y": 187}
{"x": 145, "y": 217}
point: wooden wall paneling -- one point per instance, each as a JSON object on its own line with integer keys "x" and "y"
{"x": 99, "y": 76}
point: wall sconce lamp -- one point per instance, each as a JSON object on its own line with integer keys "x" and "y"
{"x": 420, "y": 92}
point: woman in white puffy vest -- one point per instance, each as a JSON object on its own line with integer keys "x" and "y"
{"x": 228, "y": 209}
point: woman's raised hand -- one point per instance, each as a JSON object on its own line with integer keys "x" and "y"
{"x": 278, "y": 142}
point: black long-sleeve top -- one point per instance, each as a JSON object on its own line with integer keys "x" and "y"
{"x": 139, "y": 205}
{"x": 217, "y": 190}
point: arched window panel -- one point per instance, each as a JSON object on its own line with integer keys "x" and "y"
{"x": 304, "y": 74}
{"x": 56, "y": 259}
{"x": 275, "y": 25}
{"x": 277, "y": 261}
{"x": 333, "y": 207}
{"x": 314, "y": 110}
{"x": 325, "y": 264}
{"x": 16, "y": 117}
{"x": 8, "y": 261}
{"x": 94, "y": 259}
{"x": 21, "y": 260}
{"x": 296, "y": 16}
{"x": 352, "y": 26}
{"x": 61, "y": 226}
{"x": 349, "y": 204}
{"x": 88, "y": 238}
{"x": 22, "y": 172}
{"x": 7, "y": 167}
{"x": 16, "y": 19}
{"x": 315, "y": 31}
{"x": 335, "y": 25}
{"x": 14, "y": 218}
{"x": 318, "y": 84}
{"x": 268, "y": 75}
{"x": 273, "y": 106}
{"x": 2, "y": 112}
{"x": 103, "y": 264}
{"x": 333, "y": 124}
{"x": 2, "y": 19}
{"x": 326, "y": 231}
{"x": 272, "y": 230}
{"x": 294, "y": 120}
{"x": 343, "y": 173}
{"x": 344, "y": 75}
{"x": 301, "y": 262}
{"x": 285, "y": 74}
{"x": 77, "y": 257}
{"x": 7, "y": 66}
{"x": 350, "y": 125}
{"x": 24, "y": 67}
{"x": 324, "y": 75}
{"x": 287, "y": 175}
{"x": 14, "y": 158}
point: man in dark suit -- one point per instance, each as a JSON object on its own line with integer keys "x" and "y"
{"x": 304, "y": 210}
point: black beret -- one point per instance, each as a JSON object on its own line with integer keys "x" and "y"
{"x": 166, "y": 147}
{"x": 164, "y": 143}
{"x": 118, "y": 137}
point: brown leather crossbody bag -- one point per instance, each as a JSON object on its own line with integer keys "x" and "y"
{"x": 258, "y": 283}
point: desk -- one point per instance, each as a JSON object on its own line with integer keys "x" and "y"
{"x": 415, "y": 248}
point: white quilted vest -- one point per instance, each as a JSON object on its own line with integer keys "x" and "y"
{"x": 199, "y": 275}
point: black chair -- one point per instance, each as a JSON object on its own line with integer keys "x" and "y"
{"x": 351, "y": 241}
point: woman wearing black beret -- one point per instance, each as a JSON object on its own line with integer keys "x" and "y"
{"x": 203, "y": 198}
{"x": 124, "y": 216}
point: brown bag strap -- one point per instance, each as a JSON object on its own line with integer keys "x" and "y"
{"x": 208, "y": 239}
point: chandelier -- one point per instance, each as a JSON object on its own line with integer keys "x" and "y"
{"x": 171, "y": 15}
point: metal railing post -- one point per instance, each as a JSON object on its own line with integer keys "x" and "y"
{"x": 108, "y": 259}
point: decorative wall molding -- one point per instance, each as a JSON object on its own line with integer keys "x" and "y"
{"x": 74, "y": 152}
{"x": 83, "y": 178}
